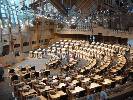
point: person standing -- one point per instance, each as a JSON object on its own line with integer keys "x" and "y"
{"x": 90, "y": 97}
{"x": 103, "y": 95}
{"x": 1, "y": 72}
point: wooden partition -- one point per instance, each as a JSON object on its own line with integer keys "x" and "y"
{"x": 72, "y": 36}
{"x": 10, "y": 59}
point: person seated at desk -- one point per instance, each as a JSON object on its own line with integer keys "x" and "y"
{"x": 17, "y": 53}
{"x": 27, "y": 76}
{"x": 36, "y": 74}
{"x": 14, "y": 78}
{"x": 23, "y": 70}
{"x": 81, "y": 94}
{"x": 47, "y": 72}
{"x": 64, "y": 89}
{"x": 32, "y": 68}
{"x": 11, "y": 71}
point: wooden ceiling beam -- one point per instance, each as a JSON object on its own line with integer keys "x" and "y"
{"x": 57, "y": 4}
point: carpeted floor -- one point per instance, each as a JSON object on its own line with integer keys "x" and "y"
{"x": 6, "y": 90}
{"x": 39, "y": 63}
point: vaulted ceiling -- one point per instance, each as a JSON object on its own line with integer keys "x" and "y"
{"x": 64, "y": 5}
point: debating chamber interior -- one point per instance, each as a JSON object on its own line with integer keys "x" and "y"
{"x": 66, "y": 49}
